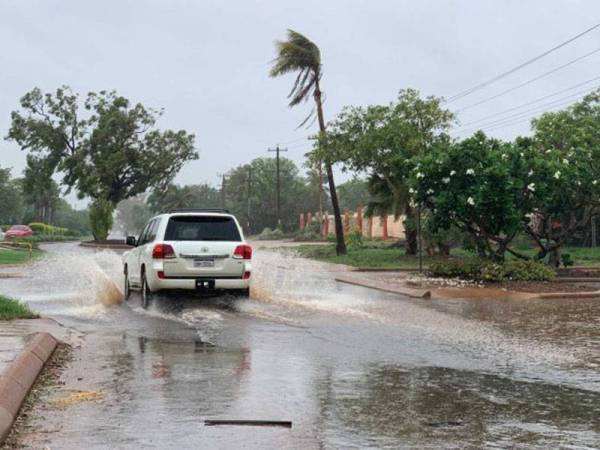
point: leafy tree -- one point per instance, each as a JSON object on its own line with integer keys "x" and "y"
{"x": 40, "y": 191}
{"x": 354, "y": 193}
{"x": 301, "y": 55}
{"x": 190, "y": 196}
{"x": 261, "y": 203}
{"x": 109, "y": 152}
{"x": 132, "y": 214}
{"x": 11, "y": 209}
{"x": 380, "y": 140}
{"x": 478, "y": 185}
{"x": 65, "y": 216}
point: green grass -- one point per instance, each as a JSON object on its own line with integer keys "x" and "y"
{"x": 378, "y": 255}
{"x": 20, "y": 256}
{"x": 13, "y": 309}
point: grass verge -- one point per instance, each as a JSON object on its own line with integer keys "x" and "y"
{"x": 379, "y": 255}
{"x": 11, "y": 309}
{"x": 20, "y": 256}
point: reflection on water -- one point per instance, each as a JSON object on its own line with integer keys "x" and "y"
{"x": 390, "y": 405}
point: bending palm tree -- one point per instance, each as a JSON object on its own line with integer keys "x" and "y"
{"x": 299, "y": 54}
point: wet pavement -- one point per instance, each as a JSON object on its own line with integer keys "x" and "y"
{"x": 351, "y": 367}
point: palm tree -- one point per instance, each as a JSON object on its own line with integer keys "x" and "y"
{"x": 299, "y": 54}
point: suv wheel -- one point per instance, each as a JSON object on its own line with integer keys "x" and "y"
{"x": 146, "y": 293}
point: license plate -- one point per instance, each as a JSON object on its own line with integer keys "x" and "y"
{"x": 204, "y": 263}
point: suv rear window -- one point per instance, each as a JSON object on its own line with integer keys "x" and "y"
{"x": 202, "y": 228}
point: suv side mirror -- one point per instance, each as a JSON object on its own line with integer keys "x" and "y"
{"x": 131, "y": 240}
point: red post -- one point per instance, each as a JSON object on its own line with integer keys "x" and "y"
{"x": 346, "y": 222}
{"x": 384, "y": 227}
{"x": 302, "y": 221}
{"x": 359, "y": 219}
{"x": 308, "y": 218}
{"x": 370, "y": 226}
{"x": 326, "y": 225}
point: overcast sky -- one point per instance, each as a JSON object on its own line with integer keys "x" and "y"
{"x": 206, "y": 62}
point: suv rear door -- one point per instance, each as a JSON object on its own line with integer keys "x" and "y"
{"x": 204, "y": 245}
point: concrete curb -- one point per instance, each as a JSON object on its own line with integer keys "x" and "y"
{"x": 579, "y": 294}
{"x": 16, "y": 381}
{"x": 414, "y": 293}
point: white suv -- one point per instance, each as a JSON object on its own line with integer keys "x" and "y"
{"x": 194, "y": 249}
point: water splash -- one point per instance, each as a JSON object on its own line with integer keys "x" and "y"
{"x": 71, "y": 282}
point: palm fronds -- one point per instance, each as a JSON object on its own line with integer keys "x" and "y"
{"x": 298, "y": 54}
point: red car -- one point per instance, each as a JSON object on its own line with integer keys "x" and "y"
{"x": 17, "y": 231}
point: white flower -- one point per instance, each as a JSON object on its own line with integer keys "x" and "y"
{"x": 565, "y": 161}
{"x": 557, "y": 174}
{"x": 595, "y": 182}
{"x": 429, "y": 191}
{"x": 522, "y": 154}
{"x": 504, "y": 156}
{"x": 548, "y": 151}
{"x": 470, "y": 201}
{"x": 452, "y": 172}
{"x": 439, "y": 161}
{"x": 578, "y": 183}
{"x": 446, "y": 180}
{"x": 530, "y": 173}
{"x": 470, "y": 172}
{"x": 411, "y": 191}
{"x": 531, "y": 187}
{"x": 420, "y": 175}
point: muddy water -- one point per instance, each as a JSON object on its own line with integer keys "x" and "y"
{"x": 350, "y": 367}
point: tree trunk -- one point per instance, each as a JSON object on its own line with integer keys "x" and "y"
{"x": 412, "y": 243}
{"x": 340, "y": 247}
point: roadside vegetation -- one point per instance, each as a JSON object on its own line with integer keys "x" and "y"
{"x": 18, "y": 256}
{"x": 461, "y": 262}
{"x": 11, "y": 309}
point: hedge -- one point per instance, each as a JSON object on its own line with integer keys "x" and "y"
{"x": 485, "y": 270}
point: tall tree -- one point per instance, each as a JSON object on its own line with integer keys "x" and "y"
{"x": 380, "y": 139}
{"x": 108, "y": 152}
{"x": 11, "y": 209}
{"x": 40, "y": 191}
{"x": 300, "y": 55}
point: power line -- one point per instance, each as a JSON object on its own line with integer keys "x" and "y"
{"x": 541, "y": 108}
{"x": 524, "y": 117}
{"x": 533, "y": 101}
{"x": 531, "y": 80}
{"x": 520, "y": 66}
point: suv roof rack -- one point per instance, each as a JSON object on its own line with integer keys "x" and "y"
{"x": 192, "y": 210}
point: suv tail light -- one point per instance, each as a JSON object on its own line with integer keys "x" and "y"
{"x": 242, "y": 252}
{"x": 163, "y": 251}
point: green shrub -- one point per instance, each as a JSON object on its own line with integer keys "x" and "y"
{"x": 48, "y": 230}
{"x": 490, "y": 271}
{"x": 101, "y": 218}
{"x": 528, "y": 271}
{"x": 484, "y": 270}
{"x": 355, "y": 240}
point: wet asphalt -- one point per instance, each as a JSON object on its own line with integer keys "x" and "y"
{"x": 349, "y": 367}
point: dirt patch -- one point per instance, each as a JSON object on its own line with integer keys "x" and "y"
{"x": 48, "y": 379}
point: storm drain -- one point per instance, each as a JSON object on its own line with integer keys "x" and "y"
{"x": 249, "y": 423}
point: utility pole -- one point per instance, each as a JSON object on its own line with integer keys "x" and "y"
{"x": 277, "y": 150}
{"x": 248, "y": 189}
{"x": 223, "y": 181}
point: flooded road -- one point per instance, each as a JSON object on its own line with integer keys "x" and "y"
{"x": 350, "y": 367}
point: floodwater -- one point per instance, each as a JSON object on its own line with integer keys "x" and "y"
{"x": 350, "y": 367}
